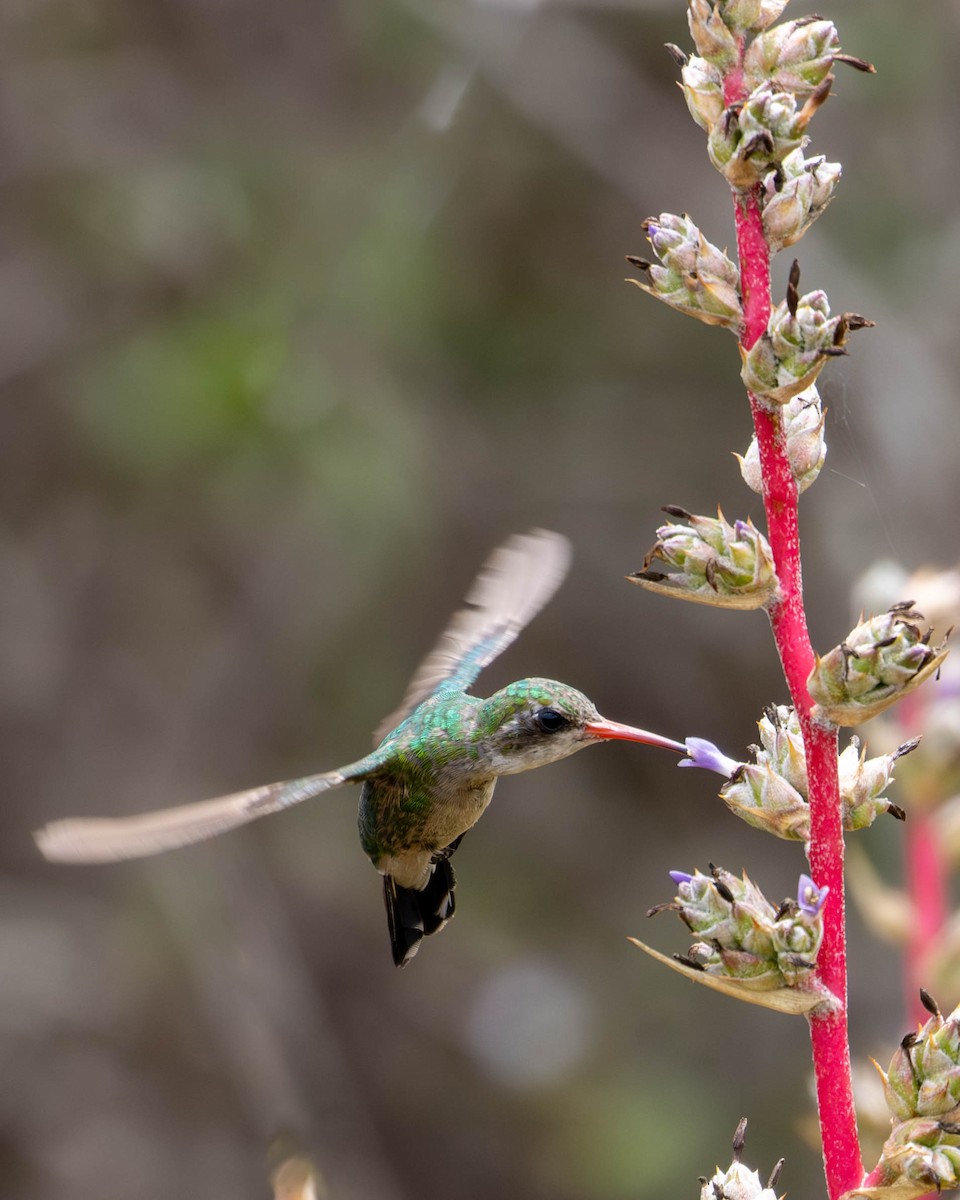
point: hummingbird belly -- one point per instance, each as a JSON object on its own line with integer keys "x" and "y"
{"x": 403, "y": 828}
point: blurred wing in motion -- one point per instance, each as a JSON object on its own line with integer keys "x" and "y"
{"x": 514, "y": 583}
{"x": 106, "y": 839}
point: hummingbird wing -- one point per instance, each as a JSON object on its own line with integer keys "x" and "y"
{"x": 106, "y": 839}
{"x": 513, "y": 585}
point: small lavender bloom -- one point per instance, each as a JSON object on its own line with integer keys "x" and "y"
{"x": 810, "y": 898}
{"x": 705, "y": 754}
{"x": 679, "y": 877}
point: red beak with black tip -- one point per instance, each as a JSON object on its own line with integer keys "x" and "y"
{"x": 614, "y": 731}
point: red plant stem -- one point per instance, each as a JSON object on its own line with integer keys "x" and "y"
{"x": 828, "y": 1032}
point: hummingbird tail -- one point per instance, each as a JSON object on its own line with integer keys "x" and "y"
{"x": 413, "y": 915}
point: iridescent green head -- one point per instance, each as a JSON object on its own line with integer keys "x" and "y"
{"x": 537, "y": 721}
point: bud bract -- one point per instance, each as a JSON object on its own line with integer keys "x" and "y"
{"x": 924, "y": 1152}
{"x": 802, "y": 421}
{"x": 703, "y": 90}
{"x": 772, "y": 793}
{"x": 714, "y": 562}
{"x": 800, "y": 336}
{"x": 749, "y": 139}
{"x": 881, "y": 660}
{"x": 765, "y": 800}
{"x": 770, "y": 10}
{"x": 923, "y": 1079}
{"x": 714, "y": 41}
{"x": 796, "y": 56}
{"x": 741, "y": 16}
{"x": 696, "y": 277}
{"x": 795, "y": 195}
{"x": 741, "y": 936}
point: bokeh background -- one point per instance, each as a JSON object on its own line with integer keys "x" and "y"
{"x": 303, "y": 307}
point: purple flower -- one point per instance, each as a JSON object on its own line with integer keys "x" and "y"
{"x": 705, "y": 754}
{"x": 811, "y": 898}
{"x": 679, "y": 877}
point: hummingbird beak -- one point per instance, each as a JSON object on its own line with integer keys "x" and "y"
{"x": 614, "y": 731}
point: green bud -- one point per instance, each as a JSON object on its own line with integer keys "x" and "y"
{"x": 796, "y": 56}
{"x": 765, "y": 800}
{"x": 863, "y": 779}
{"x": 795, "y": 195}
{"x": 696, "y": 277}
{"x": 703, "y": 904}
{"x": 753, "y": 137}
{"x": 923, "y": 1151}
{"x": 741, "y": 16}
{"x": 800, "y": 336}
{"x": 772, "y": 793}
{"x": 750, "y": 970}
{"x": 781, "y": 745}
{"x": 923, "y": 1079}
{"x": 881, "y": 660}
{"x": 741, "y": 936}
{"x": 703, "y": 90}
{"x": 802, "y": 421}
{"x": 796, "y": 942}
{"x": 770, "y": 11}
{"x": 714, "y": 562}
{"x": 901, "y": 1087}
{"x": 714, "y": 41}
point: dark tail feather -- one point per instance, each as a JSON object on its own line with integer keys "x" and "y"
{"x": 413, "y": 915}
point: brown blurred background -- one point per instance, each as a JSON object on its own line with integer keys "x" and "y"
{"x": 305, "y": 305}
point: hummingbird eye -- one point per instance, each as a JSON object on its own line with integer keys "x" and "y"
{"x": 551, "y": 721}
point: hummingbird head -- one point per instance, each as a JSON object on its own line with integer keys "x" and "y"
{"x": 537, "y": 721}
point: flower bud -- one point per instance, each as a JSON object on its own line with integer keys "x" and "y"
{"x": 881, "y": 660}
{"x": 742, "y": 937}
{"x": 798, "y": 932}
{"x": 741, "y": 16}
{"x": 922, "y": 1151}
{"x": 714, "y": 41}
{"x": 737, "y": 1182}
{"x": 703, "y": 90}
{"x": 729, "y": 566}
{"x": 923, "y": 1079}
{"x": 800, "y": 336}
{"x": 725, "y": 910}
{"x": 772, "y": 793}
{"x": 802, "y": 419}
{"x": 796, "y": 56}
{"x": 751, "y": 971}
{"x": 862, "y": 780}
{"x": 901, "y": 1087}
{"x": 752, "y": 137}
{"x": 764, "y": 799}
{"x": 696, "y": 277}
{"x": 770, "y": 10}
{"x": 782, "y": 745}
{"x": 795, "y": 195}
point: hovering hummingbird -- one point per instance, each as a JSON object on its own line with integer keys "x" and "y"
{"x": 437, "y": 762}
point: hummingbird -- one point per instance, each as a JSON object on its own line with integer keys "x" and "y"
{"x": 436, "y": 762}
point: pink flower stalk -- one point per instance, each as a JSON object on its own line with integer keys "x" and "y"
{"x": 754, "y": 86}
{"x": 828, "y": 1032}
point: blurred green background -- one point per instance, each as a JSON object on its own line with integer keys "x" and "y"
{"x": 305, "y": 306}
